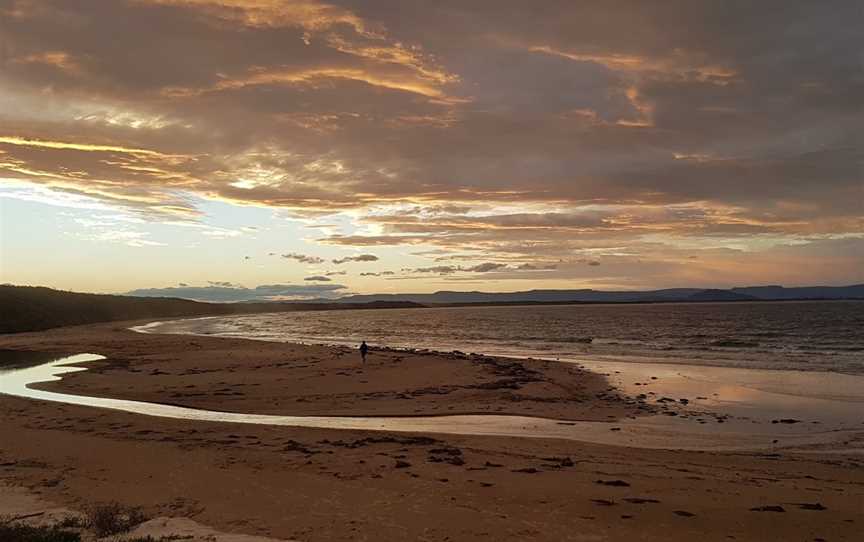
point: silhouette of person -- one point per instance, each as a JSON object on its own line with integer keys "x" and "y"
{"x": 364, "y": 349}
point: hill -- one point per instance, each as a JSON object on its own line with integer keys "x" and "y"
{"x": 752, "y": 293}
{"x": 720, "y": 295}
{"x": 806, "y": 292}
{"x": 30, "y": 308}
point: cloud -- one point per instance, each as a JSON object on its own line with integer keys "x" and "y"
{"x": 116, "y": 229}
{"x": 228, "y": 292}
{"x": 222, "y": 284}
{"x": 537, "y": 267}
{"x": 318, "y": 278}
{"x": 437, "y": 269}
{"x": 377, "y": 274}
{"x": 302, "y": 258}
{"x": 479, "y": 268}
{"x": 452, "y": 125}
{"x": 360, "y": 258}
{"x": 486, "y": 267}
{"x": 220, "y": 233}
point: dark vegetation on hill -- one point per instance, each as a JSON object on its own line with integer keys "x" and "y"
{"x": 720, "y": 295}
{"x": 750, "y": 293}
{"x": 30, "y": 308}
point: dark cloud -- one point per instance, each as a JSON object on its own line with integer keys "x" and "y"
{"x": 318, "y": 278}
{"x": 437, "y": 269}
{"x": 486, "y": 267}
{"x": 303, "y": 258}
{"x": 360, "y": 258}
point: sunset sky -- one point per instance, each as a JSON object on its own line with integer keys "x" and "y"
{"x": 322, "y": 149}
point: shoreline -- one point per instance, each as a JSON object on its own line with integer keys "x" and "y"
{"x": 593, "y": 350}
{"x": 314, "y": 484}
{"x": 492, "y": 384}
{"x": 651, "y": 433}
{"x": 585, "y": 359}
{"x": 629, "y": 365}
{"x": 685, "y": 395}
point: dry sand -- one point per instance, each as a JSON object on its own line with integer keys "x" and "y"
{"x": 319, "y": 484}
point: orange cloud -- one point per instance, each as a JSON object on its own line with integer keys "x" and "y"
{"x": 678, "y": 64}
{"x": 311, "y": 77}
{"x": 86, "y": 147}
{"x": 274, "y": 13}
{"x": 58, "y": 59}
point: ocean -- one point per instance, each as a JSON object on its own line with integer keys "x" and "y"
{"x": 803, "y": 336}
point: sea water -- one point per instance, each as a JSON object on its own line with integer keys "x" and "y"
{"x": 802, "y": 336}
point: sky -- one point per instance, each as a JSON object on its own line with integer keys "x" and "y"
{"x": 281, "y": 149}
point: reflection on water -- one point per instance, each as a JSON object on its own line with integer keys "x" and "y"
{"x": 648, "y": 432}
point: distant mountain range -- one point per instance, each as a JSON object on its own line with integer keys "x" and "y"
{"x": 26, "y": 308}
{"x": 748, "y": 293}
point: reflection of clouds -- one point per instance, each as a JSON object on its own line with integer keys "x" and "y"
{"x": 763, "y": 395}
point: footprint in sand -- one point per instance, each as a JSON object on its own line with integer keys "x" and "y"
{"x": 810, "y": 506}
{"x": 614, "y": 483}
{"x": 770, "y": 508}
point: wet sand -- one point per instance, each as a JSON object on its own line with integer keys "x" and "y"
{"x": 324, "y": 484}
{"x": 676, "y": 427}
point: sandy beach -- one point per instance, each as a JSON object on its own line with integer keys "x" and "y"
{"x": 293, "y": 483}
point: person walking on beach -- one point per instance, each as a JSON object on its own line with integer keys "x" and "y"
{"x": 364, "y": 349}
